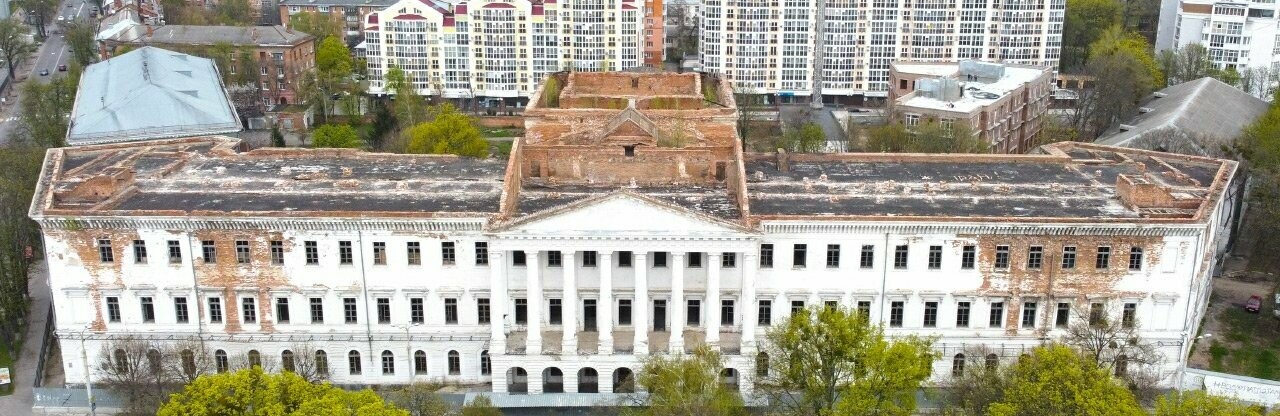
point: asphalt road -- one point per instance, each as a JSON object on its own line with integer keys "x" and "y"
{"x": 51, "y": 54}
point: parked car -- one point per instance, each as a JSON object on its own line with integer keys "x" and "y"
{"x": 62, "y": 68}
{"x": 1254, "y": 304}
{"x": 44, "y": 72}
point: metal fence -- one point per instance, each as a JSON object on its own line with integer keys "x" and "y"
{"x": 45, "y": 341}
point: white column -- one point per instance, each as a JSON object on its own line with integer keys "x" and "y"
{"x": 750, "y": 316}
{"x": 569, "y": 307}
{"x": 498, "y": 300}
{"x": 640, "y": 306}
{"x": 533, "y": 277}
{"x": 713, "y": 299}
{"x": 677, "y": 303}
{"x": 604, "y": 306}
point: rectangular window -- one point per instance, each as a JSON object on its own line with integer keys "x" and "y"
{"x": 833, "y": 255}
{"x": 1002, "y": 257}
{"x": 864, "y": 308}
{"x": 180, "y": 313}
{"x": 113, "y": 309}
{"x": 1104, "y": 258}
{"x": 588, "y": 259}
{"x": 693, "y": 259}
{"x": 555, "y": 314}
{"x": 935, "y": 257}
{"x": 1069, "y": 257}
{"x": 148, "y": 309}
{"x": 693, "y": 312}
{"x": 215, "y": 310}
{"x": 522, "y": 311}
{"x": 900, "y": 257}
{"x": 482, "y": 310}
{"x": 659, "y": 259}
{"x": 277, "y": 252}
{"x": 317, "y": 310}
{"x": 139, "y": 252}
{"x": 868, "y": 257}
{"x": 349, "y": 312}
{"x": 175, "y": 252}
{"x": 313, "y": 252}
{"x": 242, "y": 252}
{"x": 931, "y": 314}
{"x": 1096, "y": 311}
{"x": 1135, "y": 258}
{"x": 726, "y": 312}
{"x": 797, "y": 306}
{"x": 765, "y": 313}
{"x": 448, "y": 254}
{"x": 384, "y": 310}
{"x": 379, "y": 253}
{"x": 414, "y": 251}
{"x": 624, "y": 311}
{"x": 451, "y": 311}
{"x": 799, "y": 254}
{"x": 482, "y": 253}
{"x": 728, "y": 260}
{"x": 996, "y": 318}
{"x": 1035, "y": 257}
{"x": 1130, "y": 316}
{"x": 895, "y": 313}
{"x": 766, "y": 255}
{"x": 554, "y": 259}
{"x": 968, "y": 256}
{"x": 417, "y": 311}
{"x": 624, "y": 259}
{"x": 282, "y": 310}
{"x": 962, "y": 314}
{"x": 518, "y": 258}
{"x": 209, "y": 250}
{"x": 249, "y": 308}
{"x": 344, "y": 253}
{"x": 104, "y": 251}
{"x": 1028, "y": 314}
{"x": 1064, "y": 315}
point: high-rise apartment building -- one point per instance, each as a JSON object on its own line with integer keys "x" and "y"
{"x": 767, "y": 46}
{"x": 1237, "y": 35}
{"x": 654, "y": 26}
{"x": 499, "y": 49}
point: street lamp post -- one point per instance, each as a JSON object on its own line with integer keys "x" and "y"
{"x": 88, "y": 372}
{"x": 408, "y": 351}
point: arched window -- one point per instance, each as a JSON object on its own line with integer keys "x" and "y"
{"x": 588, "y": 380}
{"x": 485, "y": 367}
{"x": 552, "y": 380}
{"x": 729, "y": 378}
{"x": 1122, "y": 365}
{"x": 455, "y": 363}
{"x": 255, "y": 359}
{"x": 322, "y": 363}
{"x": 353, "y": 362}
{"x": 153, "y": 361}
{"x": 286, "y": 361}
{"x": 122, "y": 361}
{"x": 220, "y": 361}
{"x": 188, "y": 363}
{"x": 993, "y": 361}
{"x": 388, "y": 363}
{"x": 517, "y": 380}
{"x": 957, "y": 365}
{"x": 420, "y": 362}
{"x": 624, "y": 381}
{"x": 762, "y": 365}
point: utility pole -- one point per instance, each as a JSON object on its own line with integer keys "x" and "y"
{"x": 819, "y": 52}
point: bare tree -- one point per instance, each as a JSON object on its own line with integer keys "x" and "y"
{"x": 14, "y": 46}
{"x": 304, "y": 363}
{"x": 1115, "y": 345}
{"x": 1120, "y": 82}
{"x": 684, "y": 40}
{"x": 136, "y": 370}
{"x": 1174, "y": 140}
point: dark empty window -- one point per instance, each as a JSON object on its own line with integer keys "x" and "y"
{"x": 693, "y": 313}
{"x": 554, "y": 311}
{"x": 867, "y": 259}
{"x": 522, "y": 311}
{"x": 282, "y": 310}
{"x": 104, "y": 251}
{"x": 624, "y": 259}
{"x": 962, "y": 314}
{"x": 726, "y": 312}
{"x": 414, "y": 251}
{"x": 900, "y": 257}
{"x": 209, "y": 250}
{"x": 895, "y": 313}
{"x": 518, "y": 258}
{"x": 588, "y": 259}
{"x": 277, "y": 252}
{"x": 482, "y": 310}
{"x": 148, "y": 309}
{"x": 180, "y": 313}
{"x": 384, "y": 310}
{"x": 930, "y": 314}
{"x": 1028, "y": 314}
{"x": 1104, "y": 258}
{"x": 766, "y": 255}
{"x": 996, "y": 318}
{"x": 629, "y": 150}
{"x": 139, "y": 251}
{"x": 765, "y": 313}
{"x": 317, "y": 310}
{"x": 417, "y": 312}
{"x": 833, "y": 255}
{"x": 349, "y": 312}
{"x": 799, "y": 252}
{"x": 113, "y": 309}
{"x": 1135, "y": 258}
{"x": 1130, "y": 316}
{"x": 660, "y": 259}
{"x": 968, "y": 256}
{"x": 379, "y": 253}
{"x": 728, "y": 259}
{"x": 1002, "y": 257}
{"x": 1069, "y": 257}
{"x": 448, "y": 254}
{"x": 1064, "y": 315}
{"x": 624, "y": 311}
{"x": 935, "y": 257}
{"x": 482, "y": 253}
{"x": 250, "y": 310}
{"x": 1035, "y": 257}
{"x": 554, "y": 259}
{"x": 451, "y": 311}
{"x": 175, "y": 252}
{"x": 694, "y": 259}
{"x": 344, "y": 253}
{"x": 312, "y": 251}
{"x": 215, "y": 310}
{"x": 242, "y": 252}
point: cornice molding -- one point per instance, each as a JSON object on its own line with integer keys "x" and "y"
{"x": 290, "y": 224}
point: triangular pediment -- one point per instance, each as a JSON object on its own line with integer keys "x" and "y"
{"x": 623, "y": 213}
{"x": 631, "y": 124}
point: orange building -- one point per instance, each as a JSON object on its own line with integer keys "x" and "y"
{"x": 653, "y": 39}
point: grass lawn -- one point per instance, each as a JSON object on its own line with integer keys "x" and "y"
{"x": 7, "y": 361}
{"x": 492, "y": 132}
{"x": 1249, "y": 346}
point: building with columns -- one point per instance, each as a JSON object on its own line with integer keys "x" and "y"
{"x": 627, "y": 222}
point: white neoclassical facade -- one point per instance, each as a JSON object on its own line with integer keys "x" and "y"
{"x": 560, "y": 269}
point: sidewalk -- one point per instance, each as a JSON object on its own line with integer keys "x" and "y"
{"x": 24, "y": 371}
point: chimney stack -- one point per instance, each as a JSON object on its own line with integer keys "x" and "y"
{"x": 151, "y": 30}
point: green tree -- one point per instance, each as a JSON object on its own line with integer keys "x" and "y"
{"x": 22, "y": 163}
{"x": 1124, "y": 73}
{"x": 679, "y": 385}
{"x": 410, "y": 108}
{"x": 332, "y": 75}
{"x": 481, "y": 406}
{"x": 825, "y": 361}
{"x": 1199, "y": 403}
{"x": 322, "y": 26}
{"x": 421, "y": 399}
{"x": 277, "y": 138}
{"x": 336, "y": 135}
{"x": 449, "y": 132}
{"x": 80, "y": 38}
{"x": 14, "y": 46}
{"x": 41, "y": 12}
{"x": 1085, "y": 20}
{"x": 1054, "y": 380}
{"x": 255, "y": 392}
{"x": 333, "y": 59}
{"x": 1117, "y": 41}
{"x": 928, "y": 137}
{"x": 807, "y": 138}
{"x": 46, "y": 109}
